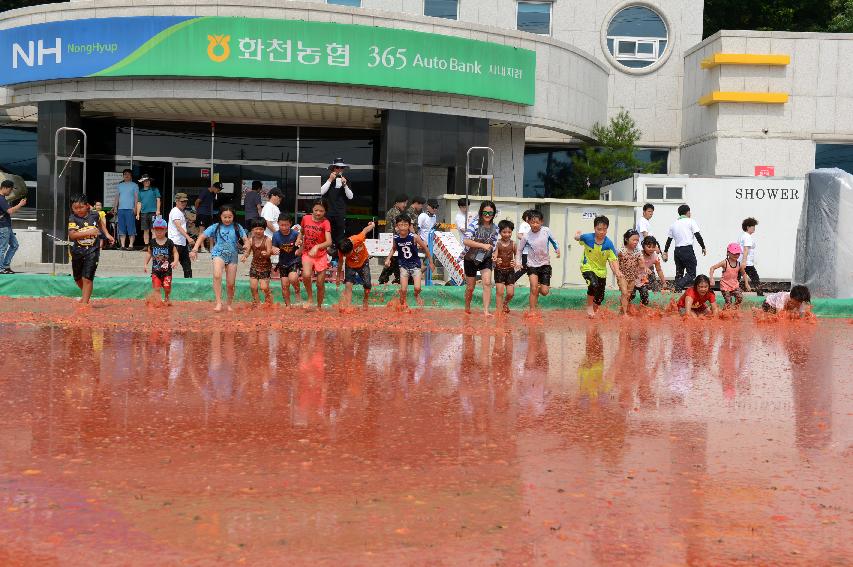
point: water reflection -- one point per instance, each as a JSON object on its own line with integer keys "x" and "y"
{"x": 603, "y": 443}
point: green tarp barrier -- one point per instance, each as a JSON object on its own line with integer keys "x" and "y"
{"x": 437, "y": 296}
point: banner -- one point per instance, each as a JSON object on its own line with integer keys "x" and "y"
{"x": 255, "y": 48}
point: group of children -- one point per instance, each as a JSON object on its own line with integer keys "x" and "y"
{"x": 301, "y": 253}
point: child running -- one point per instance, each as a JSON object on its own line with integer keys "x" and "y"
{"x": 316, "y": 238}
{"x": 538, "y": 257}
{"x": 795, "y": 302}
{"x": 228, "y": 238}
{"x": 633, "y": 273}
{"x": 698, "y": 299}
{"x": 84, "y": 230}
{"x": 286, "y": 243}
{"x": 405, "y": 247}
{"x": 598, "y": 252}
{"x": 504, "y": 266}
{"x": 733, "y": 269}
{"x": 354, "y": 261}
{"x": 163, "y": 254}
{"x": 479, "y": 244}
{"x": 260, "y": 248}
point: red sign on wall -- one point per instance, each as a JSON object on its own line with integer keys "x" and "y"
{"x": 765, "y": 171}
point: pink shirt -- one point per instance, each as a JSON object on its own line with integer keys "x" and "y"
{"x": 314, "y": 233}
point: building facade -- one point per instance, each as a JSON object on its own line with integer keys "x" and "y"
{"x": 240, "y": 90}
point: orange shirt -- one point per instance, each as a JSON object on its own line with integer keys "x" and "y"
{"x": 359, "y": 254}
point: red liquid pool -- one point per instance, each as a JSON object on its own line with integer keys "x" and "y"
{"x": 131, "y": 435}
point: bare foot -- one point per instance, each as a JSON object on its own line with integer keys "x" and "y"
{"x": 487, "y": 314}
{"x": 230, "y": 308}
{"x": 217, "y": 307}
{"x": 364, "y": 306}
{"x": 506, "y": 308}
{"x": 419, "y": 300}
{"x": 590, "y": 312}
{"x": 467, "y": 310}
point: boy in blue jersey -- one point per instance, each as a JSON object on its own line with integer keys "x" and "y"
{"x": 598, "y": 251}
{"x": 406, "y": 246}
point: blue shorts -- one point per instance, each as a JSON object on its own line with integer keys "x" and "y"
{"x": 126, "y": 222}
{"x": 227, "y": 255}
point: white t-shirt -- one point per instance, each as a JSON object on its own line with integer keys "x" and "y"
{"x": 270, "y": 213}
{"x": 746, "y": 239}
{"x": 426, "y": 222}
{"x": 177, "y": 238}
{"x": 682, "y": 231}
{"x": 779, "y": 299}
{"x": 539, "y": 254}
{"x": 523, "y": 229}
{"x": 461, "y": 223}
{"x": 643, "y": 225}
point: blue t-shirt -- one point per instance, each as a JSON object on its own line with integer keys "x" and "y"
{"x": 148, "y": 199}
{"x": 126, "y": 192}
{"x": 226, "y": 238}
{"x": 206, "y": 205}
{"x": 286, "y": 243}
{"x": 407, "y": 251}
{"x": 5, "y": 218}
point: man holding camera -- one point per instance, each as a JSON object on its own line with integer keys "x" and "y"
{"x": 337, "y": 192}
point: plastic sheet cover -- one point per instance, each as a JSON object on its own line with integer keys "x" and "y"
{"x": 824, "y": 253}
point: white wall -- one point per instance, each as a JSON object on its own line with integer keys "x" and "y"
{"x": 732, "y": 138}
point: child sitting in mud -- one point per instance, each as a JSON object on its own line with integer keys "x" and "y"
{"x": 796, "y": 302}
{"x": 733, "y": 269}
{"x": 698, "y": 299}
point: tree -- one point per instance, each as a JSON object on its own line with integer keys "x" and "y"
{"x": 609, "y": 159}
{"x": 842, "y": 19}
{"x": 780, "y": 15}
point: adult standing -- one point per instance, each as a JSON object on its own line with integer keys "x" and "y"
{"x": 684, "y": 231}
{"x": 178, "y": 233}
{"x": 337, "y": 192}
{"x": 271, "y": 212}
{"x": 204, "y": 206}
{"x": 127, "y": 199}
{"x": 480, "y": 240}
{"x": 149, "y": 206}
{"x": 644, "y": 225}
{"x": 8, "y": 242}
{"x": 252, "y": 203}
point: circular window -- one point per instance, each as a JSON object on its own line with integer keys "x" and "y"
{"x": 636, "y": 39}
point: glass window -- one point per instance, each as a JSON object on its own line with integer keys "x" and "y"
{"x": 675, "y": 193}
{"x": 637, "y": 37}
{"x": 548, "y": 172}
{"x": 534, "y": 17}
{"x": 18, "y": 149}
{"x": 447, "y": 9}
{"x": 352, "y": 3}
{"x": 107, "y": 137}
{"x": 654, "y": 192}
{"x": 834, "y": 155}
{"x": 171, "y": 139}
{"x": 249, "y": 142}
{"x": 322, "y": 145}
{"x": 659, "y": 157}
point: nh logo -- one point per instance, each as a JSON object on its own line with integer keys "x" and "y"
{"x": 28, "y": 56}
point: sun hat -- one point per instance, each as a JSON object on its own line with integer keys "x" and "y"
{"x": 339, "y": 162}
{"x": 146, "y": 177}
{"x": 734, "y": 248}
{"x": 181, "y": 197}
